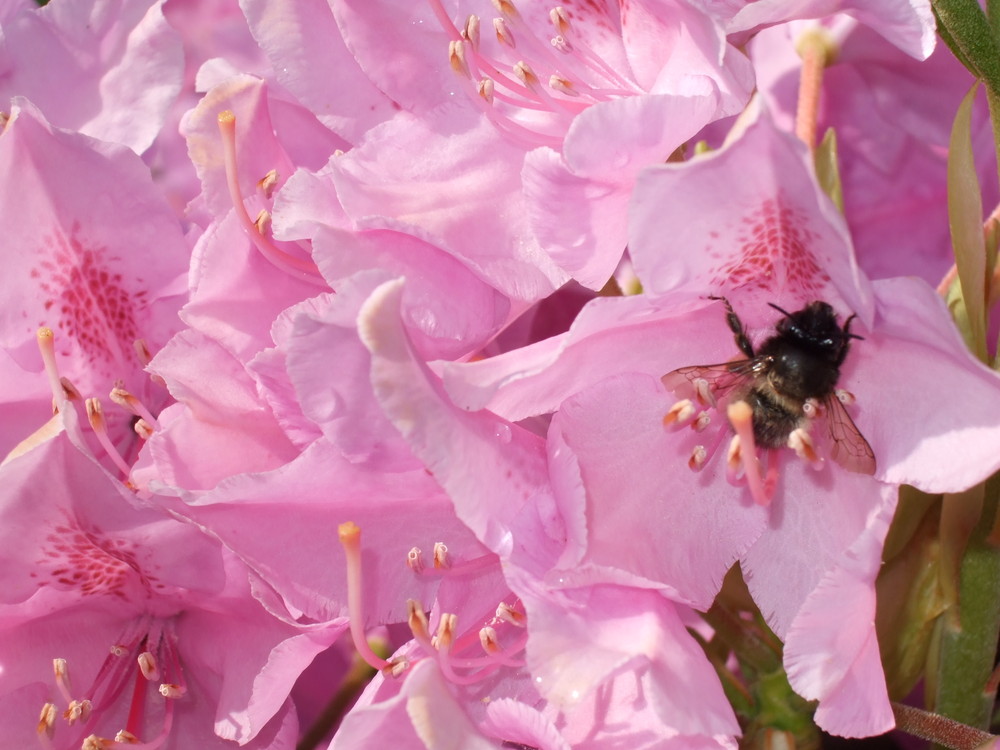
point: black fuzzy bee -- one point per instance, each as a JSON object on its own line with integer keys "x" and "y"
{"x": 791, "y": 378}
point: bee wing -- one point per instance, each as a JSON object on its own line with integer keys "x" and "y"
{"x": 721, "y": 378}
{"x": 850, "y": 449}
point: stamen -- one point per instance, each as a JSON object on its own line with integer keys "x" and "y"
{"x": 527, "y": 74}
{"x": 268, "y": 183}
{"x": 350, "y": 538}
{"x": 485, "y": 90}
{"x": 488, "y": 640}
{"x": 143, "y": 429}
{"x": 302, "y": 268}
{"x": 845, "y": 397}
{"x": 263, "y": 222}
{"x": 46, "y": 347}
{"x": 562, "y": 85}
{"x": 504, "y": 34}
{"x": 812, "y": 408}
{"x": 456, "y": 58}
{"x": 741, "y": 417}
{"x": 417, "y": 620}
{"x": 415, "y": 560}
{"x": 679, "y": 413}
{"x": 172, "y": 690}
{"x": 147, "y": 665}
{"x": 142, "y": 351}
{"x": 698, "y": 457}
{"x": 441, "y": 561}
{"x": 560, "y": 19}
{"x": 61, "y": 670}
{"x": 703, "y": 420}
{"x": 471, "y": 31}
{"x": 95, "y": 414}
{"x": 703, "y": 393}
{"x": 77, "y": 711}
{"x": 125, "y": 737}
{"x": 507, "y": 8}
{"x": 800, "y": 441}
{"x": 446, "y": 632}
{"x": 734, "y": 463}
{"x": 508, "y": 614}
{"x": 133, "y": 405}
{"x": 47, "y": 719}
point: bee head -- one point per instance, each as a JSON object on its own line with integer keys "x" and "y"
{"x": 815, "y": 327}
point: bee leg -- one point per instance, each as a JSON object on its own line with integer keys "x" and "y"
{"x": 847, "y": 338}
{"x": 737, "y": 327}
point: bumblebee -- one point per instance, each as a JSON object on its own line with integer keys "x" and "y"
{"x": 789, "y": 380}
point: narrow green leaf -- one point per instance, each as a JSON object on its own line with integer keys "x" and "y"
{"x": 966, "y": 650}
{"x": 947, "y": 38}
{"x": 965, "y": 219}
{"x": 909, "y": 603}
{"x": 966, "y": 25}
{"x": 828, "y": 169}
{"x": 993, "y": 14}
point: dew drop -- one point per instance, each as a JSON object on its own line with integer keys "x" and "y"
{"x": 502, "y": 432}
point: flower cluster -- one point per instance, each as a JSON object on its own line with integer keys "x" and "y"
{"x": 544, "y": 357}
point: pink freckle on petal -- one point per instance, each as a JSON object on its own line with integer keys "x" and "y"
{"x": 97, "y": 307}
{"x": 774, "y": 251}
{"x": 91, "y": 563}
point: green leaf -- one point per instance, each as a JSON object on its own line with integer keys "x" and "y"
{"x": 828, "y": 169}
{"x": 965, "y": 219}
{"x": 964, "y": 27}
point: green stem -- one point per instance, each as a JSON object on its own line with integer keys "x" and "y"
{"x": 968, "y": 642}
{"x": 938, "y": 729}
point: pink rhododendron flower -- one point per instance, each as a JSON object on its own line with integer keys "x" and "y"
{"x": 613, "y": 426}
{"x": 357, "y": 268}
{"x": 656, "y": 73}
{"x": 533, "y": 525}
{"x": 892, "y": 116}
{"x": 94, "y": 253}
{"x": 174, "y": 650}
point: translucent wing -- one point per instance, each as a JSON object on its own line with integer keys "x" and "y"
{"x": 850, "y": 449}
{"x": 689, "y": 382}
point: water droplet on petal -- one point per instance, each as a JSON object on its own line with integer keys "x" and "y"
{"x": 503, "y": 432}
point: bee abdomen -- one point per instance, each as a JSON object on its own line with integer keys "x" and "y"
{"x": 774, "y": 418}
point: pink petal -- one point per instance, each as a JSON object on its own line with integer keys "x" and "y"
{"x": 581, "y": 638}
{"x": 909, "y": 24}
{"x": 450, "y": 179}
{"x": 106, "y": 68}
{"x": 495, "y": 472}
{"x": 639, "y": 490}
{"x": 932, "y": 416}
{"x": 423, "y": 716}
{"x": 831, "y": 652}
{"x": 776, "y": 234}
{"x": 578, "y": 204}
{"x": 301, "y": 37}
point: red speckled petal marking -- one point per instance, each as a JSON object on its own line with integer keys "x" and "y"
{"x": 91, "y": 562}
{"x": 773, "y": 253}
{"x": 89, "y": 302}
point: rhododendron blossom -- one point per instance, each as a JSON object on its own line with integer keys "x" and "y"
{"x": 510, "y": 374}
